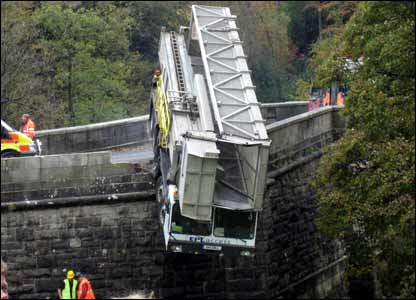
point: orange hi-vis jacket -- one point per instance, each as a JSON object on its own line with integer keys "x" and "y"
{"x": 85, "y": 285}
{"x": 340, "y": 98}
{"x": 327, "y": 99}
{"x": 29, "y": 129}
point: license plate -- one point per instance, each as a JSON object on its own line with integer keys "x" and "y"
{"x": 211, "y": 247}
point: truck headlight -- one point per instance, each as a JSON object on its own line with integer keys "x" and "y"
{"x": 176, "y": 248}
{"x": 246, "y": 253}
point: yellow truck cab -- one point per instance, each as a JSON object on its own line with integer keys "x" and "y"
{"x": 15, "y": 143}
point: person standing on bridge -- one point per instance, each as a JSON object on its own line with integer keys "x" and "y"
{"x": 340, "y": 98}
{"x": 69, "y": 290}
{"x": 84, "y": 288}
{"x": 28, "y": 126}
{"x": 327, "y": 98}
{"x": 155, "y": 78}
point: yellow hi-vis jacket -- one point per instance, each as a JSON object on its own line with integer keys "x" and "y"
{"x": 66, "y": 293}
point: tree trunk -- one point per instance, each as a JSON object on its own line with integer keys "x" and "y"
{"x": 70, "y": 98}
{"x": 319, "y": 22}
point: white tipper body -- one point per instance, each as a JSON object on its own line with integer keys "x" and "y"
{"x": 218, "y": 143}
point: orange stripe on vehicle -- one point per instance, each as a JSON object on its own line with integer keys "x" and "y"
{"x": 14, "y": 136}
{"x": 7, "y": 141}
{"x": 25, "y": 148}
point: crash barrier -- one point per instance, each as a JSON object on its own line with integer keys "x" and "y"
{"x": 95, "y": 137}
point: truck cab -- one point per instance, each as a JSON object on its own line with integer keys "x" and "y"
{"x": 229, "y": 232}
{"x": 15, "y": 143}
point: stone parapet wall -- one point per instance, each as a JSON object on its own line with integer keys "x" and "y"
{"x": 303, "y": 135}
{"x": 133, "y": 131}
{"x": 54, "y": 177}
{"x": 274, "y": 112}
{"x": 95, "y": 137}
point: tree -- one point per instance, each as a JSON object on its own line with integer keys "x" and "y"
{"x": 18, "y": 85}
{"x": 303, "y": 28}
{"x": 366, "y": 181}
{"x": 148, "y": 17}
{"x": 88, "y": 60}
{"x": 264, "y": 33}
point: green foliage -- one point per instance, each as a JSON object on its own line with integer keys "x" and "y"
{"x": 271, "y": 68}
{"x": 89, "y": 60}
{"x": 302, "y": 90}
{"x": 382, "y": 98}
{"x": 314, "y": 29}
{"x": 366, "y": 181}
{"x": 149, "y": 17}
{"x": 303, "y": 25}
{"x": 326, "y": 62}
{"x": 335, "y": 14}
{"x": 264, "y": 32}
{"x": 366, "y": 198}
{"x": 18, "y": 83}
{"x": 70, "y": 63}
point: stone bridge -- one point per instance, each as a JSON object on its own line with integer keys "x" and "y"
{"x": 133, "y": 131}
{"x": 84, "y": 211}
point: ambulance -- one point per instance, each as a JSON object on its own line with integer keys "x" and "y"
{"x": 16, "y": 144}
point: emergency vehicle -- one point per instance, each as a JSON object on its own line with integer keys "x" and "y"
{"x": 16, "y": 144}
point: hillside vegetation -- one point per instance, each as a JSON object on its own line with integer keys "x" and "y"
{"x": 78, "y": 62}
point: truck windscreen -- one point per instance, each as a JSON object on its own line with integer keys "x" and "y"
{"x": 184, "y": 225}
{"x": 234, "y": 224}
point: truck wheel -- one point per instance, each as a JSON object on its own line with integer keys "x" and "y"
{"x": 160, "y": 197}
{"x": 9, "y": 154}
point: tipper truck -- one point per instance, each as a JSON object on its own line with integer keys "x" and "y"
{"x": 209, "y": 138}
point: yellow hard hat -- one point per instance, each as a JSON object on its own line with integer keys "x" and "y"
{"x": 70, "y": 274}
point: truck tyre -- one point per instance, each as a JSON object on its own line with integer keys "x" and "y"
{"x": 9, "y": 154}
